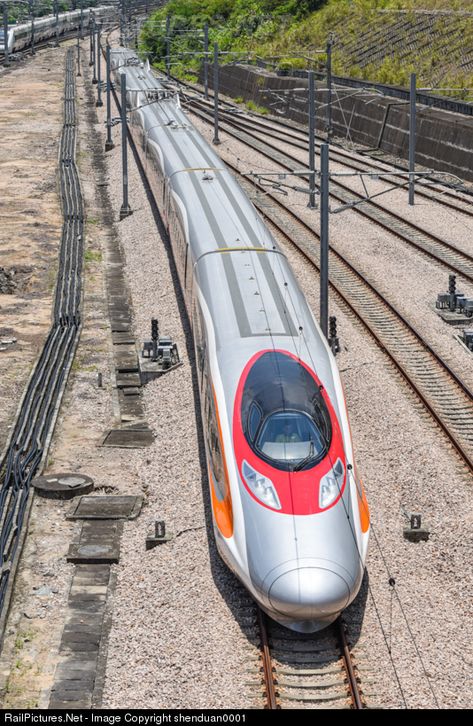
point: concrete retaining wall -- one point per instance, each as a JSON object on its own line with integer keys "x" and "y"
{"x": 444, "y": 139}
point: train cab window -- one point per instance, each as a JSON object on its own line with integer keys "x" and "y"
{"x": 254, "y": 420}
{"x": 285, "y": 419}
{"x": 290, "y": 436}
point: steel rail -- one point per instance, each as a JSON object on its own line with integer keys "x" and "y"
{"x": 268, "y": 674}
{"x": 327, "y": 655}
{"x": 351, "y": 675}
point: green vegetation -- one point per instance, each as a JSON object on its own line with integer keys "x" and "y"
{"x": 23, "y": 636}
{"x": 20, "y": 13}
{"x": 251, "y": 106}
{"x": 373, "y": 40}
{"x": 235, "y": 24}
{"x": 93, "y": 256}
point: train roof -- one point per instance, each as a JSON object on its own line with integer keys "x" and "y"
{"x": 222, "y": 215}
{"x": 250, "y": 296}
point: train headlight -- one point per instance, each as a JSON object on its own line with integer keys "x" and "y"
{"x": 331, "y": 485}
{"x": 261, "y": 486}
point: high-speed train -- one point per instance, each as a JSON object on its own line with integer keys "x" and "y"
{"x": 19, "y": 36}
{"x": 290, "y": 515}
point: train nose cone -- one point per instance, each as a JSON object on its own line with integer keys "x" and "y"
{"x": 309, "y": 593}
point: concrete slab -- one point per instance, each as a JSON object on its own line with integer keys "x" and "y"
{"x": 128, "y": 379}
{"x": 122, "y": 338}
{"x": 453, "y": 318}
{"x": 128, "y": 438}
{"x": 104, "y": 508}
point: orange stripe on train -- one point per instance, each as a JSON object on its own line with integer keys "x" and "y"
{"x": 223, "y": 510}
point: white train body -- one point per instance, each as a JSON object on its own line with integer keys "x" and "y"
{"x": 290, "y": 518}
{"x": 20, "y": 35}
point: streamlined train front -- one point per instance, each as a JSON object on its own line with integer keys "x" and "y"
{"x": 306, "y": 517}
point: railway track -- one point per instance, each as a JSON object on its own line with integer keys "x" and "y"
{"x": 447, "y": 398}
{"x": 443, "y": 192}
{"x": 49, "y": 43}
{"x": 309, "y": 671}
{"x": 29, "y": 441}
{"x": 434, "y": 247}
{"x": 298, "y": 140}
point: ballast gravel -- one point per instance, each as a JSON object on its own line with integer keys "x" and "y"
{"x": 179, "y": 635}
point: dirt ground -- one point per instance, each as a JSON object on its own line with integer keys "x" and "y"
{"x": 30, "y": 226}
{"x": 30, "y": 217}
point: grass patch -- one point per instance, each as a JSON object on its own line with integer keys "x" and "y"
{"x": 93, "y": 256}
{"x": 23, "y": 636}
{"x": 252, "y": 106}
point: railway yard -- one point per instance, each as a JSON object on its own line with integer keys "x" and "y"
{"x": 94, "y": 616}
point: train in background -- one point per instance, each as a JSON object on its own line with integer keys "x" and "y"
{"x": 19, "y": 35}
{"x": 290, "y": 516}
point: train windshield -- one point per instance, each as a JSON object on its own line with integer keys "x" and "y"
{"x": 285, "y": 419}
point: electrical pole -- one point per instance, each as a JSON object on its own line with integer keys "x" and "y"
{"x": 5, "y": 35}
{"x": 99, "y": 101}
{"x": 125, "y": 210}
{"x": 216, "y": 140}
{"x": 56, "y": 13}
{"x": 78, "y": 53}
{"x": 31, "y": 9}
{"x": 168, "y": 46}
{"x": 329, "y": 88}
{"x": 109, "y": 143}
{"x": 94, "y": 53}
{"x": 82, "y": 19}
{"x": 91, "y": 25}
{"x": 412, "y": 138}
{"x": 206, "y": 61}
{"x": 324, "y": 238}
{"x": 311, "y": 139}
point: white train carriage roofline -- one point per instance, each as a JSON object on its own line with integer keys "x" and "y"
{"x": 299, "y": 552}
{"x": 19, "y": 35}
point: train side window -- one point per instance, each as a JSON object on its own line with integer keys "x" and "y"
{"x": 254, "y": 420}
{"x": 199, "y": 341}
{"x": 213, "y": 441}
